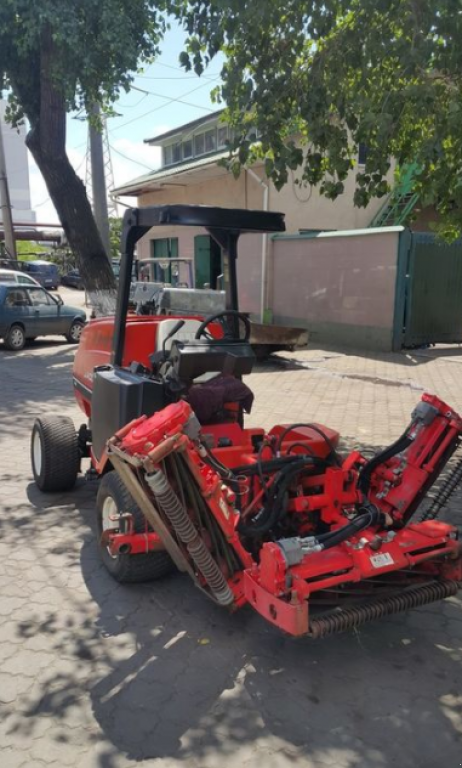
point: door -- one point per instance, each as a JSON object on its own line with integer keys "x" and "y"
{"x": 207, "y": 262}
{"x": 45, "y": 314}
{"x": 165, "y": 248}
{"x": 429, "y": 292}
{"x": 16, "y": 309}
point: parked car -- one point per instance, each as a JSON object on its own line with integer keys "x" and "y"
{"x": 44, "y": 271}
{"x": 73, "y": 279}
{"x": 29, "y": 311}
{"x": 12, "y": 276}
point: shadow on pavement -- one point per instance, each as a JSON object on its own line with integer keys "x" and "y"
{"x": 157, "y": 671}
{"x": 172, "y": 676}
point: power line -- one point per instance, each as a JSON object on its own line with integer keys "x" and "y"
{"x": 186, "y": 76}
{"x": 180, "y": 69}
{"x": 178, "y": 99}
{"x": 126, "y": 157}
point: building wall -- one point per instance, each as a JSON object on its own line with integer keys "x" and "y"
{"x": 341, "y": 287}
{"x": 17, "y": 169}
{"x": 303, "y": 211}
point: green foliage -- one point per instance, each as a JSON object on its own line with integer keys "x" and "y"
{"x": 115, "y": 231}
{"x": 386, "y": 73}
{"x": 28, "y": 250}
{"x": 97, "y": 44}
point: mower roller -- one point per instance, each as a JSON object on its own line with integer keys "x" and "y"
{"x": 314, "y": 541}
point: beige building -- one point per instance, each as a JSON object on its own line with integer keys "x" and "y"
{"x": 190, "y": 174}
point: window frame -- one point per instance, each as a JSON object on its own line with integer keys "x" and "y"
{"x": 213, "y": 133}
{"x": 183, "y": 144}
{"x": 50, "y": 300}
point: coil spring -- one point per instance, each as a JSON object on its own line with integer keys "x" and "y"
{"x": 350, "y": 618}
{"x": 171, "y": 506}
{"x": 444, "y": 494}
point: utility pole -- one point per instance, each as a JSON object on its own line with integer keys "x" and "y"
{"x": 5, "y": 203}
{"x": 100, "y": 208}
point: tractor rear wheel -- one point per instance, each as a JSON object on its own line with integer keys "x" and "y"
{"x": 54, "y": 451}
{"x": 112, "y": 501}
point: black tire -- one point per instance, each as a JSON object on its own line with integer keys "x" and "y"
{"x": 74, "y": 332}
{"x": 127, "y": 568}
{"x": 55, "y": 455}
{"x": 15, "y": 339}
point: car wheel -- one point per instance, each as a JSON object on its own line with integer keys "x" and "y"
{"x": 15, "y": 339}
{"x": 54, "y": 453}
{"x": 75, "y": 332}
{"x": 113, "y": 499}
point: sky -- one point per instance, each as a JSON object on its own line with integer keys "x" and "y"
{"x": 163, "y": 97}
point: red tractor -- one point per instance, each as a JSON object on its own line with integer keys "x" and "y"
{"x": 314, "y": 541}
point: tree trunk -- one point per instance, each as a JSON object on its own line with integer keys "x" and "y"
{"x": 47, "y": 143}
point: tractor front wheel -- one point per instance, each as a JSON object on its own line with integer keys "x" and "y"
{"x": 112, "y": 501}
{"x": 54, "y": 452}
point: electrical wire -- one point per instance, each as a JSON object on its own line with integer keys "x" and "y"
{"x": 172, "y": 100}
{"x": 130, "y": 159}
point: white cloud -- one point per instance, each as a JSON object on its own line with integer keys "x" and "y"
{"x": 135, "y": 159}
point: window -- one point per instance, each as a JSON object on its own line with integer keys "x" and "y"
{"x": 222, "y": 136}
{"x": 16, "y": 298}
{"x": 253, "y": 134}
{"x": 210, "y": 140}
{"x": 25, "y": 280}
{"x": 168, "y": 155}
{"x": 39, "y": 297}
{"x": 176, "y": 153}
{"x": 199, "y": 144}
{"x": 362, "y": 154}
{"x": 187, "y": 149}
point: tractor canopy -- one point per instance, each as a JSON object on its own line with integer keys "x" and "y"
{"x": 225, "y": 225}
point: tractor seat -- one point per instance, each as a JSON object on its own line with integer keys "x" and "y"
{"x": 186, "y": 333}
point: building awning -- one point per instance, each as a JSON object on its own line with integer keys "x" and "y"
{"x": 178, "y": 175}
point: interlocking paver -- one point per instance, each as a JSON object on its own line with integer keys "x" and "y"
{"x": 97, "y": 675}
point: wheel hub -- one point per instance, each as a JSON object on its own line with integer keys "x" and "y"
{"x": 37, "y": 453}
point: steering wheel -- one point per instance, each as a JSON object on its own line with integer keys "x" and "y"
{"x": 231, "y": 322}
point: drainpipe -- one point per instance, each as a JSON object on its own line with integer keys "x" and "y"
{"x": 264, "y": 248}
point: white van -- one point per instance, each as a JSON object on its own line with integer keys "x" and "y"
{"x": 11, "y": 276}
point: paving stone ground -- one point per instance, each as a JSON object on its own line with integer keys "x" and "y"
{"x": 97, "y": 675}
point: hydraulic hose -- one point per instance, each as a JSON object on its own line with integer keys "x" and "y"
{"x": 314, "y": 428}
{"x": 399, "y": 445}
{"x": 273, "y": 510}
{"x": 372, "y": 517}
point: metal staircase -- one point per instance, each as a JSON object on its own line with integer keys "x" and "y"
{"x": 401, "y": 201}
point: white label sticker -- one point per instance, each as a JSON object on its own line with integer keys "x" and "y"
{"x": 380, "y": 561}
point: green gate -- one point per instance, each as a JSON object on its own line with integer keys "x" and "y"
{"x": 429, "y": 291}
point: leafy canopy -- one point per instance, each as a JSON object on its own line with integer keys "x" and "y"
{"x": 96, "y": 45}
{"x": 336, "y": 73}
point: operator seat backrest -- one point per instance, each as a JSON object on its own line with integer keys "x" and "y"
{"x": 186, "y": 333}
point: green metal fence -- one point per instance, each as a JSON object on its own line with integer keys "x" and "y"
{"x": 428, "y": 307}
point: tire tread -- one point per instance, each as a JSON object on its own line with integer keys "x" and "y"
{"x": 60, "y": 456}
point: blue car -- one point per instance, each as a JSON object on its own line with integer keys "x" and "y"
{"x": 27, "y": 312}
{"x": 44, "y": 271}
